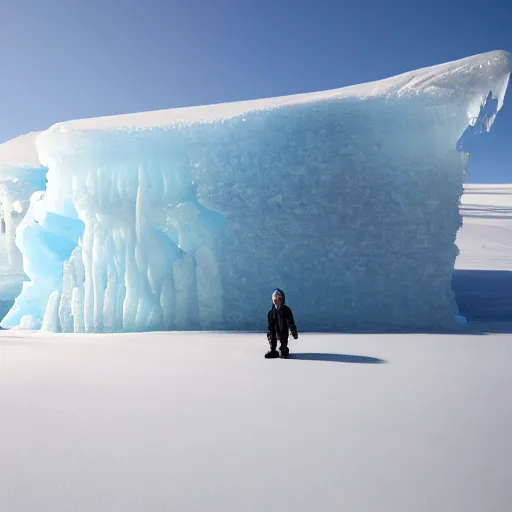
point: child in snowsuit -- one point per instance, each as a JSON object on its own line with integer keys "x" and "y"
{"x": 280, "y": 320}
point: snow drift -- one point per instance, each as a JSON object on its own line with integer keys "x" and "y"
{"x": 189, "y": 218}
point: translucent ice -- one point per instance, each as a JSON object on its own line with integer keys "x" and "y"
{"x": 21, "y": 174}
{"x": 189, "y": 218}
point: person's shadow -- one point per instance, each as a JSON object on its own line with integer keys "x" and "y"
{"x": 336, "y": 358}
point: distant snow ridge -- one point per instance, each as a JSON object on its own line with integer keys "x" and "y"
{"x": 189, "y": 218}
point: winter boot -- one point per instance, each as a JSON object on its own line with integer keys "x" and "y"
{"x": 284, "y": 352}
{"x": 271, "y": 354}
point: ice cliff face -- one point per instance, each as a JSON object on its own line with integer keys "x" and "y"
{"x": 189, "y": 218}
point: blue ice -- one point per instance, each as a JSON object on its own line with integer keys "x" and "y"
{"x": 189, "y": 218}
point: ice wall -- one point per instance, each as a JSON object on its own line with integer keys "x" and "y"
{"x": 21, "y": 174}
{"x": 346, "y": 199}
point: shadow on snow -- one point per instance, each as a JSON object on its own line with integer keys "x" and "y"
{"x": 336, "y": 358}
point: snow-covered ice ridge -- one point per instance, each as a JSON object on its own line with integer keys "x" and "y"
{"x": 188, "y": 218}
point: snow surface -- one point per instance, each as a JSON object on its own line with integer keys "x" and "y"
{"x": 482, "y": 280}
{"x": 188, "y": 218}
{"x": 200, "y": 421}
{"x": 485, "y": 240}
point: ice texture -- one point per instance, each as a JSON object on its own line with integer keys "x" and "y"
{"x": 21, "y": 174}
{"x": 190, "y": 218}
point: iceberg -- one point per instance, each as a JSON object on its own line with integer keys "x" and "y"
{"x": 188, "y": 218}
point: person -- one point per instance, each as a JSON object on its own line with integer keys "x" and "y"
{"x": 280, "y": 321}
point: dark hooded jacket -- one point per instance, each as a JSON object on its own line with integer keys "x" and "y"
{"x": 280, "y": 321}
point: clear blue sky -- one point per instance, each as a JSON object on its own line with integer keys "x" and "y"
{"x": 68, "y": 59}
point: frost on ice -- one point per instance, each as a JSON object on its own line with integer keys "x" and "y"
{"x": 189, "y": 218}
